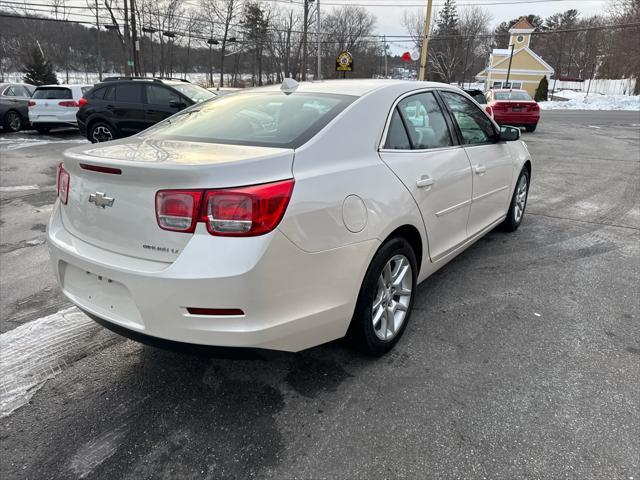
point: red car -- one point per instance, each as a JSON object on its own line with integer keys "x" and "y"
{"x": 513, "y": 107}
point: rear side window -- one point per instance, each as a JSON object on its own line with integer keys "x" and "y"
{"x": 425, "y": 121}
{"x": 268, "y": 119}
{"x": 110, "y": 94}
{"x": 129, "y": 93}
{"x": 98, "y": 93}
{"x": 397, "y": 138}
{"x": 53, "y": 93}
{"x": 475, "y": 126}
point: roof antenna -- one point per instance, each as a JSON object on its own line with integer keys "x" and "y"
{"x": 289, "y": 85}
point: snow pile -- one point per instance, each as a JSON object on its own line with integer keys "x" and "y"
{"x": 578, "y": 101}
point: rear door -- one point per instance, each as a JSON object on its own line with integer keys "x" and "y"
{"x": 49, "y": 104}
{"x": 490, "y": 160}
{"x": 124, "y": 101}
{"x": 161, "y": 103}
{"x": 421, "y": 150}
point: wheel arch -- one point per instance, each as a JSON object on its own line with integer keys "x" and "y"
{"x": 98, "y": 119}
{"x": 412, "y": 235}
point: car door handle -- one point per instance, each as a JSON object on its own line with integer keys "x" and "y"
{"x": 480, "y": 169}
{"x": 425, "y": 181}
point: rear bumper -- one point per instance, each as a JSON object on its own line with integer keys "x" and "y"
{"x": 516, "y": 120}
{"x": 291, "y": 299}
{"x": 67, "y": 118}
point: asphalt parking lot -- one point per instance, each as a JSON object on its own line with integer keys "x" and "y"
{"x": 522, "y": 359}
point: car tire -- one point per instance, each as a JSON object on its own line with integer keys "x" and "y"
{"x": 531, "y": 128}
{"x": 386, "y": 299}
{"x": 41, "y": 129}
{"x": 12, "y": 121}
{"x": 101, "y": 132}
{"x": 518, "y": 202}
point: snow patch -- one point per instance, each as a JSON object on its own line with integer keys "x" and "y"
{"x": 19, "y": 188}
{"x": 579, "y": 101}
{"x": 39, "y": 350}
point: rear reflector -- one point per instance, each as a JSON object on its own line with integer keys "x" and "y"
{"x": 98, "y": 168}
{"x": 68, "y": 103}
{"x": 215, "y": 311}
{"x": 177, "y": 210}
{"x": 63, "y": 184}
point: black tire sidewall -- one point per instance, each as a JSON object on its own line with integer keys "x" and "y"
{"x": 510, "y": 223}
{"x": 361, "y": 331}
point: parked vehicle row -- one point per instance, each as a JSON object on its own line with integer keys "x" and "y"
{"x": 509, "y": 107}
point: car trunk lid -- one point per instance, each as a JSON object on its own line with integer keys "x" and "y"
{"x": 136, "y": 170}
{"x": 51, "y": 101}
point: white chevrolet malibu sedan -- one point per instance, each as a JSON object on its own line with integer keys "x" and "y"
{"x": 283, "y": 218}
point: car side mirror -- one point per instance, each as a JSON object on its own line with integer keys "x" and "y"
{"x": 509, "y": 134}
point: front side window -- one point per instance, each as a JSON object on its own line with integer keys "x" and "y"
{"x": 425, "y": 122}
{"x": 475, "y": 126}
{"x": 268, "y": 119}
{"x": 53, "y": 93}
{"x": 160, "y": 96}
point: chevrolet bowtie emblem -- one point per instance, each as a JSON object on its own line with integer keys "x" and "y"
{"x": 100, "y": 200}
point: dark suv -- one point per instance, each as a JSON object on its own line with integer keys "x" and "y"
{"x": 121, "y": 106}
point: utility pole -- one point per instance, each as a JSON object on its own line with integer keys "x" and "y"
{"x": 134, "y": 40}
{"x": 510, "y": 59}
{"x": 318, "y": 41}
{"x": 425, "y": 44}
{"x": 98, "y": 43}
{"x": 127, "y": 69}
{"x": 304, "y": 39}
{"x": 384, "y": 39}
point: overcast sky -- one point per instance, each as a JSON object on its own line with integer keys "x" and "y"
{"x": 389, "y": 19}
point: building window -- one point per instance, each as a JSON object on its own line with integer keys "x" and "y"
{"x": 514, "y": 85}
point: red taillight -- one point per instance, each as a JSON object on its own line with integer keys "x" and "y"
{"x": 534, "y": 107}
{"x": 63, "y": 184}
{"x": 83, "y": 101}
{"x": 231, "y": 212}
{"x": 499, "y": 107}
{"x": 488, "y": 110}
{"x": 177, "y": 210}
{"x": 68, "y": 103}
{"x": 246, "y": 211}
{"x": 31, "y": 103}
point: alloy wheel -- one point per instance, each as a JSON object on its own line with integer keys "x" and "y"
{"x": 393, "y": 297}
{"x": 14, "y": 121}
{"x": 101, "y": 134}
{"x": 521, "y": 198}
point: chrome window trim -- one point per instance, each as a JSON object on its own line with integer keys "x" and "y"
{"x": 385, "y": 131}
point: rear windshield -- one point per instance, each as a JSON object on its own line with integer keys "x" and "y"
{"x": 267, "y": 119}
{"x": 52, "y": 93}
{"x": 478, "y": 97}
{"x": 512, "y": 96}
{"x": 194, "y": 92}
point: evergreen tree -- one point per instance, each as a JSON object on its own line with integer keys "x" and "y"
{"x": 38, "y": 71}
{"x": 447, "y": 23}
{"x": 542, "y": 91}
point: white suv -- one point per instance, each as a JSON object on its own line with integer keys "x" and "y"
{"x": 54, "y": 106}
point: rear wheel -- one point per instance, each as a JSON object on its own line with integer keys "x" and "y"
{"x": 386, "y": 298}
{"x": 101, "y": 132}
{"x": 518, "y": 202}
{"x": 12, "y": 121}
{"x": 531, "y": 128}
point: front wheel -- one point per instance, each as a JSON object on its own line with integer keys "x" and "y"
{"x": 386, "y": 298}
{"x": 12, "y": 121}
{"x": 518, "y": 202}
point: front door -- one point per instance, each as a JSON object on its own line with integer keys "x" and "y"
{"x": 420, "y": 149}
{"x": 490, "y": 160}
{"x": 161, "y": 103}
{"x": 127, "y": 107}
